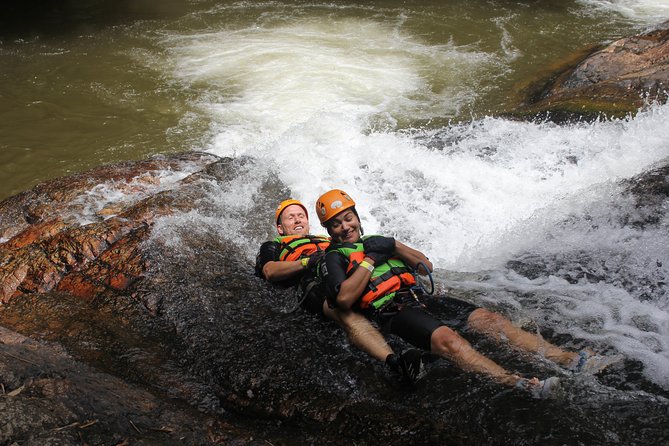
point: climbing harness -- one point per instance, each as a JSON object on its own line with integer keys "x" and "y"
{"x": 302, "y": 291}
{"x": 297, "y": 247}
{"x": 393, "y": 278}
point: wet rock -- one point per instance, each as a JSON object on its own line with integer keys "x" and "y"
{"x": 58, "y": 238}
{"x": 648, "y": 198}
{"x": 47, "y": 397}
{"x": 612, "y": 81}
{"x": 170, "y": 329}
{"x": 71, "y": 197}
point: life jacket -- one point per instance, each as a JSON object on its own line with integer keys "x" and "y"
{"x": 295, "y": 247}
{"x": 387, "y": 278}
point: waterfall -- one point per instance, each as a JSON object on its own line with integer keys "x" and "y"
{"x": 363, "y": 105}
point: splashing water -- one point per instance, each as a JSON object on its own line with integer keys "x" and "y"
{"x": 645, "y": 11}
{"x": 316, "y": 94}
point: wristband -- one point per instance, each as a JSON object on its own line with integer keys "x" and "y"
{"x": 304, "y": 262}
{"x": 368, "y": 266}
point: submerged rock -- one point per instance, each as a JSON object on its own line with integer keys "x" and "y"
{"x": 612, "y": 81}
{"x": 648, "y": 198}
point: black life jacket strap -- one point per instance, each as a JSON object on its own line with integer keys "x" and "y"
{"x": 393, "y": 271}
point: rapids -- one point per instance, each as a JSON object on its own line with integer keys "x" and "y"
{"x": 325, "y": 103}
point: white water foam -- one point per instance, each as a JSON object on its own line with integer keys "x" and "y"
{"x": 318, "y": 102}
{"x": 270, "y": 82}
{"x": 312, "y": 92}
{"x": 605, "y": 315}
{"x": 645, "y": 11}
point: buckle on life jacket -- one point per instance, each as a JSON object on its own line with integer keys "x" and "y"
{"x": 405, "y": 296}
{"x": 394, "y": 271}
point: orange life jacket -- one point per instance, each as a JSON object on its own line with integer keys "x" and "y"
{"x": 295, "y": 247}
{"x": 387, "y": 277}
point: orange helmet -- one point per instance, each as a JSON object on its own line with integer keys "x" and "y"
{"x": 284, "y": 204}
{"x": 331, "y": 203}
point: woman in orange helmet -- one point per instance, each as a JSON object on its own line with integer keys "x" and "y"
{"x": 372, "y": 275}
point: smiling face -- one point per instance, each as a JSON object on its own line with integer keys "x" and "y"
{"x": 293, "y": 221}
{"x": 345, "y": 227}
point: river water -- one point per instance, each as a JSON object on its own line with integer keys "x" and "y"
{"x": 392, "y": 101}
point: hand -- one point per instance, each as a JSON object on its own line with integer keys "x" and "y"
{"x": 379, "y": 244}
{"x": 378, "y": 257}
{"x": 314, "y": 259}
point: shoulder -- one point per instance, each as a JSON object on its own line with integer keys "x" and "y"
{"x": 270, "y": 247}
{"x": 345, "y": 248}
{"x": 335, "y": 259}
{"x": 268, "y": 252}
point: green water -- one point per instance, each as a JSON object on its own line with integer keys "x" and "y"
{"x": 85, "y": 83}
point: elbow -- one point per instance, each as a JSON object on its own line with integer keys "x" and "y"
{"x": 268, "y": 274}
{"x": 429, "y": 265}
{"x": 343, "y": 303}
{"x": 422, "y": 265}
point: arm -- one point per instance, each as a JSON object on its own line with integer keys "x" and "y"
{"x": 352, "y": 288}
{"x": 276, "y": 271}
{"x": 343, "y": 292}
{"x": 380, "y": 247}
{"x": 412, "y": 257}
{"x": 269, "y": 267}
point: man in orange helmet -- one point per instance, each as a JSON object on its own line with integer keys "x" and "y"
{"x": 373, "y": 275}
{"x": 290, "y": 258}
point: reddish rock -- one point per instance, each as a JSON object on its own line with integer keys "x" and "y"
{"x": 66, "y": 196}
{"x": 614, "y": 80}
{"x": 34, "y": 233}
{"x": 115, "y": 269}
{"x": 52, "y": 245}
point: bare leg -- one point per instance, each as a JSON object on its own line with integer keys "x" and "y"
{"x": 361, "y": 332}
{"x": 500, "y": 328}
{"x": 448, "y": 343}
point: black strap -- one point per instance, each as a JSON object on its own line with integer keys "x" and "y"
{"x": 310, "y": 284}
{"x": 393, "y": 271}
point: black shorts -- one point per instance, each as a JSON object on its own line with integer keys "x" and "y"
{"x": 313, "y": 303}
{"x": 415, "y": 325}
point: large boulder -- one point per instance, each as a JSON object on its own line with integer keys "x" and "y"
{"x": 141, "y": 322}
{"x": 612, "y": 81}
{"x": 48, "y": 397}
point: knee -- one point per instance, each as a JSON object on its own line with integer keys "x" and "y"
{"x": 482, "y": 319}
{"x": 445, "y": 341}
